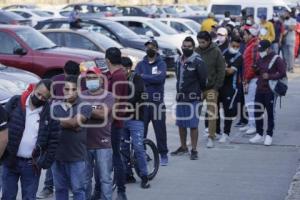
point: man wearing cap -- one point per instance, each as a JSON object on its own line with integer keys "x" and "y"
{"x": 266, "y": 31}
{"x": 209, "y": 23}
{"x": 250, "y": 58}
{"x": 269, "y": 67}
{"x": 222, "y": 39}
{"x": 152, "y": 69}
{"x": 99, "y": 147}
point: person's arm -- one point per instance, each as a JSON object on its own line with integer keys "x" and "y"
{"x": 138, "y": 90}
{"x": 77, "y": 120}
{"x": 157, "y": 78}
{"x": 220, "y": 71}
{"x": 272, "y": 33}
{"x": 281, "y": 70}
{"x": 138, "y": 69}
{"x": 104, "y": 110}
{"x": 3, "y": 131}
{"x": 202, "y": 73}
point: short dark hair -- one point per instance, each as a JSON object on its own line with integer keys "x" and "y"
{"x": 227, "y": 13}
{"x": 71, "y": 79}
{"x": 72, "y": 68}
{"x": 126, "y": 62}
{"x": 236, "y": 39}
{"x": 190, "y": 39}
{"x": 204, "y": 35}
{"x": 114, "y": 55}
{"x": 46, "y": 82}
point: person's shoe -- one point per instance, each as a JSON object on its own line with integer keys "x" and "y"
{"x": 164, "y": 160}
{"x": 243, "y": 129}
{"x": 180, "y": 151}
{"x": 251, "y": 131}
{"x": 194, "y": 155}
{"x": 121, "y": 196}
{"x": 240, "y": 124}
{"x": 96, "y": 195}
{"x": 206, "y": 134}
{"x": 256, "y": 139}
{"x": 130, "y": 179}
{"x": 45, "y": 193}
{"x": 268, "y": 141}
{"x": 224, "y": 138}
{"x": 210, "y": 143}
{"x": 145, "y": 182}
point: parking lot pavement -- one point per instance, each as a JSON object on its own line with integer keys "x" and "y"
{"x": 237, "y": 171}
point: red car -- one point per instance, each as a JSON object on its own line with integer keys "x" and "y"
{"x": 25, "y": 48}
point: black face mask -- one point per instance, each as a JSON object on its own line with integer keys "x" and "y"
{"x": 187, "y": 52}
{"x": 287, "y": 18}
{"x": 36, "y": 102}
{"x": 151, "y": 53}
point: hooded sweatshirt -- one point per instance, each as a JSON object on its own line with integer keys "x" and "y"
{"x": 215, "y": 62}
{"x": 154, "y": 76}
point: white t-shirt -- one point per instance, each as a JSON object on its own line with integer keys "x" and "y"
{"x": 291, "y": 36}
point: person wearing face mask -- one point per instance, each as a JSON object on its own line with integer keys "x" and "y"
{"x": 249, "y": 22}
{"x": 74, "y": 17}
{"x": 269, "y": 67}
{"x": 152, "y": 69}
{"x": 267, "y": 31}
{"x": 215, "y": 62}
{"x": 191, "y": 73}
{"x": 289, "y": 40}
{"x": 32, "y": 143}
{"x": 279, "y": 30}
{"x": 99, "y": 147}
{"x": 228, "y": 92}
{"x": 222, "y": 38}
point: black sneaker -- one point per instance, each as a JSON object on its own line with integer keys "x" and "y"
{"x": 121, "y": 196}
{"x": 145, "y": 182}
{"x": 179, "y": 152}
{"x": 45, "y": 193}
{"x": 130, "y": 179}
{"x": 194, "y": 155}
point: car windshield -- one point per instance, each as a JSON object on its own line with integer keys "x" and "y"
{"x": 41, "y": 13}
{"x": 105, "y": 42}
{"x": 194, "y": 25}
{"x": 35, "y": 39}
{"x": 197, "y": 8}
{"x": 11, "y": 15}
{"x": 170, "y": 10}
{"x": 162, "y": 27}
{"x": 221, "y": 9}
{"x": 122, "y": 31}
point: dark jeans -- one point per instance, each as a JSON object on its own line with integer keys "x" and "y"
{"x": 48, "y": 184}
{"x": 155, "y": 112}
{"x": 69, "y": 174}
{"x": 264, "y": 101}
{"x": 24, "y": 172}
{"x": 134, "y": 129}
{"x": 241, "y": 104}
{"x": 119, "y": 169}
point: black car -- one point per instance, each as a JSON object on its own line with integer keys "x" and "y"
{"x": 117, "y": 32}
{"x": 7, "y": 17}
{"x": 137, "y": 11}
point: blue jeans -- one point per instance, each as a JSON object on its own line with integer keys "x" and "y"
{"x": 69, "y": 174}
{"x": 48, "y": 184}
{"x": 135, "y": 130}
{"x": 101, "y": 161}
{"x": 118, "y": 165}
{"x": 24, "y": 172}
{"x": 288, "y": 52}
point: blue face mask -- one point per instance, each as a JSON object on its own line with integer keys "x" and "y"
{"x": 93, "y": 85}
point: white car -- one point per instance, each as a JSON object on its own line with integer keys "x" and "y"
{"x": 34, "y": 15}
{"x": 182, "y": 25}
{"x": 153, "y": 28}
{"x": 190, "y": 10}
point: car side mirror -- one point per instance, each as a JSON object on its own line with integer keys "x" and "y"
{"x": 20, "y": 51}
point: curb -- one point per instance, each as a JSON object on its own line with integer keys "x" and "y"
{"x": 294, "y": 191}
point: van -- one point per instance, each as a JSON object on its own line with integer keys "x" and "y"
{"x": 252, "y": 7}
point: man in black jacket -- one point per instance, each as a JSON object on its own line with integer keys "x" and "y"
{"x": 134, "y": 126}
{"x": 33, "y": 139}
{"x": 191, "y": 75}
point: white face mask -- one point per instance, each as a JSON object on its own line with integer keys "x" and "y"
{"x": 221, "y": 39}
{"x": 233, "y": 50}
{"x": 248, "y": 22}
{"x": 263, "y": 54}
{"x": 276, "y": 19}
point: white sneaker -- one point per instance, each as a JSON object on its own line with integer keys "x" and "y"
{"x": 268, "y": 141}
{"x": 206, "y": 134}
{"x": 243, "y": 129}
{"x": 210, "y": 143}
{"x": 256, "y": 139}
{"x": 251, "y": 131}
{"x": 224, "y": 138}
{"x": 206, "y": 130}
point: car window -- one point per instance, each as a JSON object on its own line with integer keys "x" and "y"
{"x": 23, "y": 14}
{"x": 77, "y": 41}
{"x": 125, "y": 11}
{"x": 249, "y": 11}
{"x": 41, "y": 13}
{"x": 262, "y": 11}
{"x": 279, "y": 10}
{"x": 57, "y": 38}
{"x": 179, "y": 27}
{"x": 162, "y": 27}
{"x": 221, "y": 9}
{"x": 140, "y": 28}
{"x": 104, "y": 41}
{"x": 98, "y": 29}
{"x": 8, "y": 44}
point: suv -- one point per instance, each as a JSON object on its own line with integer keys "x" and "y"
{"x": 25, "y": 48}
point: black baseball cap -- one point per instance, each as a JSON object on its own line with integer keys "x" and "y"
{"x": 263, "y": 45}
{"x": 153, "y": 42}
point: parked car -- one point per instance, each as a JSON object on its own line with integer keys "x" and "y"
{"x": 92, "y": 10}
{"x": 190, "y": 10}
{"x": 26, "y": 48}
{"x": 153, "y": 28}
{"x": 137, "y": 11}
{"x": 90, "y": 40}
{"x": 14, "y": 81}
{"x": 34, "y": 15}
{"x": 166, "y": 11}
{"x": 117, "y": 32}
{"x": 7, "y": 17}
{"x": 182, "y": 25}
{"x": 20, "y": 6}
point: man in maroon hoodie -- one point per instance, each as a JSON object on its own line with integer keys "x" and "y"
{"x": 269, "y": 67}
